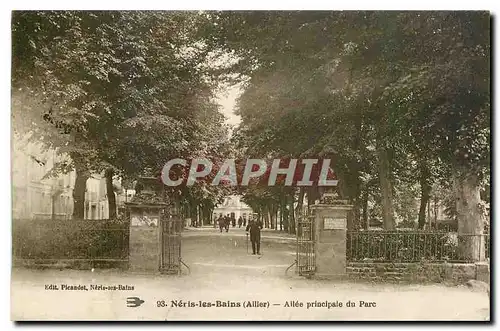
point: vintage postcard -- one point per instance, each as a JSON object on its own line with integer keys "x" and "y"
{"x": 250, "y": 165}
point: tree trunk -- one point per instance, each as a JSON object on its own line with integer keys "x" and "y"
{"x": 214, "y": 219}
{"x": 429, "y": 213}
{"x": 265, "y": 217}
{"x": 353, "y": 216}
{"x": 273, "y": 216}
{"x": 421, "y": 212}
{"x": 276, "y": 211}
{"x": 470, "y": 215}
{"x": 386, "y": 188}
{"x": 283, "y": 221}
{"x": 300, "y": 201}
{"x": 199, "y": 215}
{"x": 53, "y": 213}
{"x": 366, "y": 224}
{"x": 276, "y": 217}
{"x": 435, "y": 209}
{"x": 312, "y": 196}
{"x": 82, "y": 174}
{"x": 270, "y": 213}
{"x": 111, "y": 193}
{"x": 291, "y": 215}
{"x": 425, "y": 193}
{"x": 208, "y": 213}
{"x": 182, "y": 210}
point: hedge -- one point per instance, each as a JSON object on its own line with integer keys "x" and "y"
{"x": 70, "y": 239}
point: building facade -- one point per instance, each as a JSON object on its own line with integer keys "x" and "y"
{"x": 233, "y": 206}
{"x": 36, "y": 197}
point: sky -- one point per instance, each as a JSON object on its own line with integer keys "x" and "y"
{"x": 227, "y": 99}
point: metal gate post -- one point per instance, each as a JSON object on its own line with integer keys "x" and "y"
{"x": 171, "y": 252}
{"x": 305, "y": 256}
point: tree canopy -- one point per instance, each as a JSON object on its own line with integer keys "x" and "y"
{"x": 125, "y": 91}
{"x": 400, "y": 101}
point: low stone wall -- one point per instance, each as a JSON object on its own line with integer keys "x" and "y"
{"x": 418, "y": 272}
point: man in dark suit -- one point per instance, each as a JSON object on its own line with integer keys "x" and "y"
{"x": 254, "y": 227}
{"x": 227, "y": 220}
{"x": 220, "y": 220}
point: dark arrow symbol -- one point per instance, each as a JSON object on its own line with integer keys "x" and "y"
{"x": 134, "y": 302}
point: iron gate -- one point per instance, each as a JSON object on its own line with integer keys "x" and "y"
{"x": 306, "y": 258}
{"x": 170, "y": 236}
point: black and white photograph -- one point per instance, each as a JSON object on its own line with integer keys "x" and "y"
{"x": 250, "y": 165}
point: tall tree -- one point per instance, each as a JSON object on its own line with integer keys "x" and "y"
{"x": 126, "y": 91}
{"x": 406, "y": 78}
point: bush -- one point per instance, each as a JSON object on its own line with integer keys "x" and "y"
{"x": 71, "y": 239}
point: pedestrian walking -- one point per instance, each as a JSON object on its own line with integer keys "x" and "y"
{"x": 254, "y": 228}
{"x": 220, "y": 220}
{"x": 240, "y": 221}
{"x": 226, "y": 223}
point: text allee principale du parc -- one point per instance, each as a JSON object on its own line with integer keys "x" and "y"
{"x": 89, "y": 287}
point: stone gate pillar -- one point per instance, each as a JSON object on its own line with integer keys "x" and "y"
{"x": 330, "y": 236}
{"x": 144, "y": 237}
{"x": 145, "y": 213}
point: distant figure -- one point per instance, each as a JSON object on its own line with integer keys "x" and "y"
{"x": 226, "y": 223}
{"x": 254, "y": 227}
{"x": 240, "y": 221}
{"x": 233, "y": 221}
{"x": 244, "y": 222}
{"x": 220, "y": 220}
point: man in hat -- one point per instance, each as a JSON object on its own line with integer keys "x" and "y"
{"x": 227, "y": 220}
{"x": 220, "y": 220}
{"x": 254, "y": 226}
